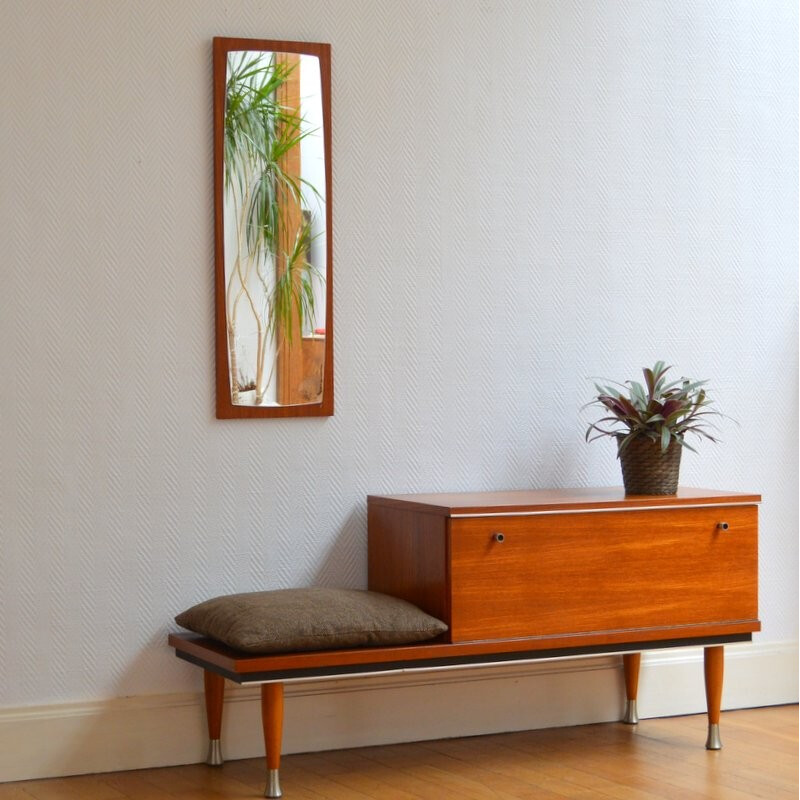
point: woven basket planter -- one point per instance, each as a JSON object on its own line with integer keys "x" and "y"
{"x": 646, "y": 469}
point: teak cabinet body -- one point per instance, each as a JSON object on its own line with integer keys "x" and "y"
{"x": 582, "y": 567}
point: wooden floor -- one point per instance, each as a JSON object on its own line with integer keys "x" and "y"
{"x": 659, "y": 758}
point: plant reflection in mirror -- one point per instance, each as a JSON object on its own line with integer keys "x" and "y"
{"x": 270, "y": 278}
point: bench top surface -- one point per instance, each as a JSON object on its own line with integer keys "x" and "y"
{"x": 241, "y": 667}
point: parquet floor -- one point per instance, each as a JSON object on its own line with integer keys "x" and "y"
{"x": 660, "y": 759}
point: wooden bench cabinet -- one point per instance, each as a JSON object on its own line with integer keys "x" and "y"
{"x": 530, "y": 575}
{"x": 575, "y": 571}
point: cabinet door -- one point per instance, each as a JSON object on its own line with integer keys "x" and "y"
{"x": 602, "y": 571}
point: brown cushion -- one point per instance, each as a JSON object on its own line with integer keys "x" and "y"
{"x": 288, "y": 620}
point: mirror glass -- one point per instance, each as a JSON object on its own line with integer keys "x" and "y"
{"x": 273, "y": 228}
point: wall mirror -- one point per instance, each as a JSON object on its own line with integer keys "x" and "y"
{"x": 273, "y": 232}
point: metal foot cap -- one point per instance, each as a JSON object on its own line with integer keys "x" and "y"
{"x": 215, "y": 758}
{"x": 273, "y": 784}
{"x": 713, "y": 742}
{"x": 631, "y": 713}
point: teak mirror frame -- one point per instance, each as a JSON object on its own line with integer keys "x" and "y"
{"x": 226, "y": 409}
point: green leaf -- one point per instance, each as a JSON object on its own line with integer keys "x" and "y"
{"x": 624, "y": 442}
{"x": 684, "y": 443}
{"x": 637, "y": 394}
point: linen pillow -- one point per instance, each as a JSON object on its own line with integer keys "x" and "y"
{"x": 290, "y": 620}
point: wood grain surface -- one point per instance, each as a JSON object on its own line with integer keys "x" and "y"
{"x": 408, "y": 558}
{"x": 658, "y": 759}
{"x": 525, "y": 501}
{"x": 600, "y": 572}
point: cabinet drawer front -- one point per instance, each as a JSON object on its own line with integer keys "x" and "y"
{"x": 602, "y": 571}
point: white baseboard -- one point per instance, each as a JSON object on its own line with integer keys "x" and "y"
{"x": 139, "y": 732}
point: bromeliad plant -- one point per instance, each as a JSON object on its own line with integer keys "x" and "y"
{"x": 658, "y": 410}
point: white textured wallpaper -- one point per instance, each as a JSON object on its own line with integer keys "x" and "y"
{"x": 526, "y": 194}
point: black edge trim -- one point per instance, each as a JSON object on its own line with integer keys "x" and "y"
{"x": 455, "y": 661}
{"x": 199, "y": 662}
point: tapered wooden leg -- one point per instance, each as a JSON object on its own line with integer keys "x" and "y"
{"x": 630, "y": 663}
{"x": 215, "y": 695}
{"x": 272, "y": 720}
{"x": 714, "y": 661}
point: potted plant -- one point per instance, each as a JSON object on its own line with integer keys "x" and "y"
{"x": 649, "y": 423}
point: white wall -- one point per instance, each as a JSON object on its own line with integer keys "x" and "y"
{"x": 525, "y": 194}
